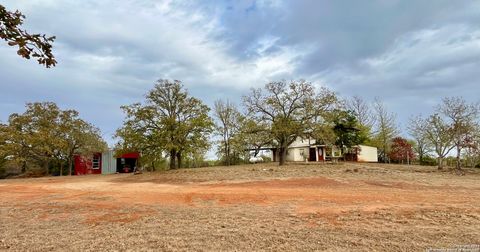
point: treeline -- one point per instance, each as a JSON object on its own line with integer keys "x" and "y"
{"x": 451, "y": 132}
{"x": 171, "y": 128}
{"x": 44, "y": 139}
{"x": 453, "y": 126}
{"x": 172, "y": 124}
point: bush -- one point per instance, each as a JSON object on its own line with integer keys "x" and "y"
{"x": 9, "y": 169}
{"x": 427, "y": 160}
{"x": 2, "y": 172}
{"x": 266, "y": 159}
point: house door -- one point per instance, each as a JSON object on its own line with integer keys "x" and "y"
{"x": 320, "y": 154}
{"x": 312, "y": 155}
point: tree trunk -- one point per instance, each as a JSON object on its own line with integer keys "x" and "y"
{"x": 24, "y": 167}
{"x": 61, "y": 168}
{"x": 225, "y": 150}
{"x": 137, "y": 165}
{"x": 70, "y": 163}
{"x": 440, "y": 163}
{"x": 458, "y": 164}
{"x": 173, "y": 156}
{"x": 283, "y": 155}
{"x": 228, "y": 154}
{"x": 46, "y": 167}
{"x": 179, "y": 159}
{"x": 384, "y": 153}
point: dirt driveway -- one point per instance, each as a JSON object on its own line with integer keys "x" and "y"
{"x": 256, "y": 207}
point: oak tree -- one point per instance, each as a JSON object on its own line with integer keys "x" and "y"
{"x": 38, "y": 46}
{"x": 288, "y": 109}
{"x": 45, "y": 136}
{"x": 463, "y": 120}
{"x": 168, "y": 121}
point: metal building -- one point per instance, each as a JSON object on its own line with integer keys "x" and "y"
{"x": 105, "y": 163}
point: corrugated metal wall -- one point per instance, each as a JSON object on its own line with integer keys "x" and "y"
{"x": 109, "y": 162}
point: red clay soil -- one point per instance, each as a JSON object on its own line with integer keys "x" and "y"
{"x": 317, "y": 201}
{"x": 307, "y": 195}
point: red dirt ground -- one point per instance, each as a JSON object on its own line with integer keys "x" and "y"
{"x": 340, "y": 203}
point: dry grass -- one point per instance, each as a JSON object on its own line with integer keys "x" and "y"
{"x": 342, "y": 207}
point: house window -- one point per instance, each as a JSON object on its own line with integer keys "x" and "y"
{"x": 96, "y": 162}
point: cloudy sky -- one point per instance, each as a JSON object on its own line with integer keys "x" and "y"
{"x": 110, "y": 52}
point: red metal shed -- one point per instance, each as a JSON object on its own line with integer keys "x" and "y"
{"x": 88, "y": 165}
{"x": 105, "y": 163}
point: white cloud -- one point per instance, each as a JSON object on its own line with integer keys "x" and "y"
{"x": 435, "y": 58}
{"x": 111, "y": 52}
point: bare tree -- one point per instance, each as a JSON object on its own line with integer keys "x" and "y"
{"x": 416, "y": 129}
{"x": 227, "y": 126}
{"x": 385, "y": 130}
{"x": 472, "y": 149}
{"x": 439, "y": 134}
{"x": 463, "y": 120}
{"x": 362, "y": 111}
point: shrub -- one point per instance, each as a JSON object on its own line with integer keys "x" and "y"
{"x": 427, "y": 160}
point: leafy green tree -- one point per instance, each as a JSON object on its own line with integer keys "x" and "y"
{"x": 346, "y": 129}
{"x": 323, "y": 133}
{"x": 45, "y": 136}
{"x": 170, "y": 120}
{"x": 77, "y": 137}
{"x": 252, "y": 135}
{"x": 3, "y": 142}
{"x": 287, "y": 109}
{"x": 15, "y": 141}
{"x": 41, "y": 133}
{"x": 29, "y": 45}
{"x": 132, "y": 139}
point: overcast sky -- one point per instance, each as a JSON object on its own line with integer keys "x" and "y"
{"x": 109, "y": 53}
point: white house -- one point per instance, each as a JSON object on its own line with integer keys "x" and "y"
{"x": 307, "y": 149}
